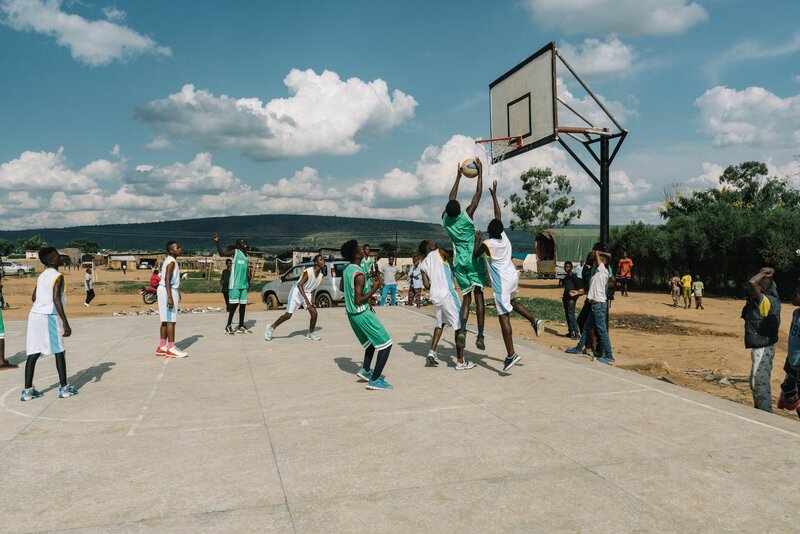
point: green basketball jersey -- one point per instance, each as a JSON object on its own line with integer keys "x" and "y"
{"x": 349, "y": 275}
{"x": 239, "y": 266}
{"x": 461, "y": 230}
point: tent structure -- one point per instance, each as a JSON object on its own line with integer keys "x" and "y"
{"x": 557, "y": 245}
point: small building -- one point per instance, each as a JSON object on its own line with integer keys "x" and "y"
{"x": 557, "y": 245}
{"x": 135, "y": 260}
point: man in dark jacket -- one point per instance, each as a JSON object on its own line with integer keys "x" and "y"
{"x": 762, "y": 319}
{"x": 571, "y": 283}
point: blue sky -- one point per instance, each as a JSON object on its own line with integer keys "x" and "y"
{"x": 137, "y": 111}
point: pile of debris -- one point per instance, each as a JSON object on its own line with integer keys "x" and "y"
{"x": 722, "y": 377}
{"x": 151, "y": 311}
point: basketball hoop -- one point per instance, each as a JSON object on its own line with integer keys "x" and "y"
{"x": 496, "y": 150}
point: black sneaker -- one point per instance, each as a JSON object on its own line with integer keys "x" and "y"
{"x": 510, "y": 361}
{"x": 479, "y": 342}
{"x": 537, "y": 325}
{"x": 229, "y": 330}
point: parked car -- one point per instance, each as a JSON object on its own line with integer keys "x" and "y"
{"x": 276, "y": 293}
{"x": 9, "y": 267}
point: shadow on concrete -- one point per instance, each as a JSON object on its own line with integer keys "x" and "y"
{"x": 185, "y": 343}
{"x": 347, "y": 365}
{"x": 249, "y": 324}
{"x": 303, "y": 332}
{"x": 81, "y": 378}
{"x": 18, "y": 358}
{"x": 420, "y": 344}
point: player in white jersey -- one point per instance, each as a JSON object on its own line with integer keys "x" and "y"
{"x": 48, "y": 325}
{"x": 302, "y": 296}
{"x": 437, "y": 277}
{"x": 504, "y": 278}
{"x": 169, "y": 299}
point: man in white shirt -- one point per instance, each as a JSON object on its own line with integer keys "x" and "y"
{"x": 389, "y": 282}
{"x": 88, "y": 284}
{"x": 596, "y": 298}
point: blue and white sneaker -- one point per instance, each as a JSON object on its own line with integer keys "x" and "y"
{"x": 365, "y": 375}
{"x": 379, "y": 384}
{"x": 267, "y": 333}
{"x": 311, "y": 336}
{"x": 28, "y": 394}
{"x": 574, "y": 350}
{"x": 66, "y": 391}
{"x": 433, "y": 359}
{"x": 608, "y": 360}
{"x": 510, "y": 361}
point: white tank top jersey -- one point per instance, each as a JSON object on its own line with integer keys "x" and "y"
{"x": 175, "y": 283}
{"x": 504, "y": 276}
{"x": 313, "y": 282}
{"x": 440, "y": 276}
{"x": 44, "y": 293}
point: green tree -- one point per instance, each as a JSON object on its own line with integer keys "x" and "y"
{"x": 33, "y": 242}
{"x": 6, "y": 247}
{"x": 85, "y": 246}
{"x": 546, "y": 201}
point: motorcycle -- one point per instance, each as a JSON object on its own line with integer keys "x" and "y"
{"x": 149, "y": 295}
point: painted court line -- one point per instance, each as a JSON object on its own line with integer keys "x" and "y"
{"x": 140, "y": 417}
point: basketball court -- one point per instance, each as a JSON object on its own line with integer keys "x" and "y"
{"x": 281, "y": 437}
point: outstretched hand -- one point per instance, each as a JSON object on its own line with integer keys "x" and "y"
{"x": 493, "y": 188}
{"x": 458, "y": 171}
{"x": 215, "y": 237}
{"x": 479, "y": 165}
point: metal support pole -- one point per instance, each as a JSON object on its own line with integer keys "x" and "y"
{"x": 605, "y": 187}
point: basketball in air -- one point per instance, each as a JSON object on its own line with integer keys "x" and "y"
{"x": 469, "y": 169}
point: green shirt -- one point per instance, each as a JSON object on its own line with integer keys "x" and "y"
{"x": 698, "y": 288}
{"x": 350, "y": 273}
{"x": 239, "y": 267}
{"x": 461, "y": 230}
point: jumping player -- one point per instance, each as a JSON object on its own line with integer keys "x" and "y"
{"x": 169, "y": 299}
{"x": 505, "y": 279}
{"x": 365, "y": 324}
{"x": 239, "y": 282}
{"x": 302, "y": 296}
{"x": 48, "y": 325}
{"x": 438, "y": 279}
{"x": 470, "y": 272}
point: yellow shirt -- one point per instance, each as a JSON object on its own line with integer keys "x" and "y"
{"x": 764, "y": 306}
{"x": 686, "y": 281}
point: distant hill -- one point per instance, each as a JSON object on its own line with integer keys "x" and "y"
{"x": 273, "y": 233}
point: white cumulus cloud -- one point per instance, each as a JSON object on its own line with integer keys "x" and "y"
{"x": 199, "y": 176}
{"x": 323, "y": 114}
{"x": 620, "y": 17}
{"x": 753, "y": 117}
{"x": 93, "y": 42}
{"x": 43, "y": 171}
{"x": 596, "y": 58}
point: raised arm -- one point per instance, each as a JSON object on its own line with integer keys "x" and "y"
{"x": 221, "y": 252}
{"x": 598, "y": 255}
{"x": 754, "y": 284}
{"x": 476, "y": 198}
{"x": 454, "y": 189}
{"x": 493, "y": 190}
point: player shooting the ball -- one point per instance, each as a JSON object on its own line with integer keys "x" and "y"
{"x": 470, "y": 271}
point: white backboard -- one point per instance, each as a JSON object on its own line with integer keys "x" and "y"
{"x": 523, "y": 102}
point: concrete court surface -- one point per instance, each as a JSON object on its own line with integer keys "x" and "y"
{"x": 260, "y": 437}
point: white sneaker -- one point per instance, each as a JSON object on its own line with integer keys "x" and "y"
{"x": 86, "y": 304}
{"x": 433, "y": 359}
{"x": 464, "y": 366}
{"x": 175, "y": 352}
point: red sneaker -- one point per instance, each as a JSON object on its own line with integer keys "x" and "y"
{"x": 792, "y": 402}
{"x": 161, "y": 351}
{"x": 175, "y": 352}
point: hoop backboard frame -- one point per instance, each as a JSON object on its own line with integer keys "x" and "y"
{"x": 516, "y": 92}
{"x": 530, "y": 138}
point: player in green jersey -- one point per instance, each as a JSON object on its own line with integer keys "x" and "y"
{"x": 368, "y": 266}
{"x": 365, "y": 324}
{"x": 470, "y": 272}
{"x": 238, "y": 283}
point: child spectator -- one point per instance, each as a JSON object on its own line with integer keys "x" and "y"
{"x": 571, "y": 283}
{"x": 790, "y": 389}
{"x": 697, "y": 291}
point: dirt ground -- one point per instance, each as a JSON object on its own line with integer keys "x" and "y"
{"x": 691, "y": 348}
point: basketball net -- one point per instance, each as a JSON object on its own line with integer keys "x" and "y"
{"x": 495, "y": 152}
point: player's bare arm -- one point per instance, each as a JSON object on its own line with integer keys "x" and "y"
{"x": 58, "y": 290}
{"x": 480, "y": 247}
{"x": 358, "y": 287}
{"x": 168, "y": 284}
{"x": 493, "y": 190}
{"x": 221, "y": 252}
{"x": 476, "y": 198}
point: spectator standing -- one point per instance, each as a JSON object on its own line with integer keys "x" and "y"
{"x": 415, "y": 285}
{"x": 624, "y": 267}
{"x": 155, "y": 279}
{"x": 675, "y": 289}
{"x": 686, "y": 290}
{"x": 762, "y": 319}
{"x": 124, "y": 267}
{"x": 697, "y": 291}
{"x": 389, "y": 282}
{"x": 88, "y": 285}
{"x": 571, "y": 283}
{"x": 225, "y": 280}
{"x": 597, "y": 299}
{"x": 790, "y": 388}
